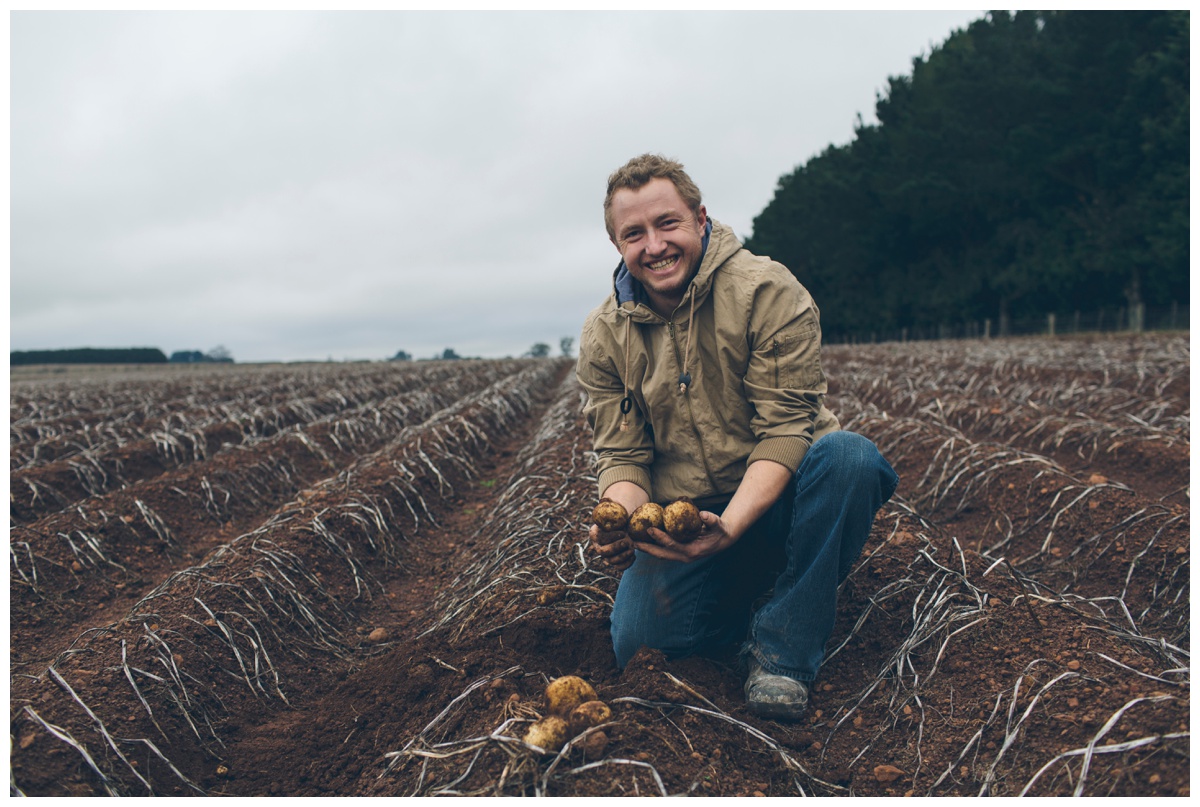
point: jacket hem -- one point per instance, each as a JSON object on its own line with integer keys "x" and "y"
{"x": 787, "y": 451}
{"x": 625, "y": 473}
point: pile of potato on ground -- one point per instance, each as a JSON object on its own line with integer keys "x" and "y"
{"x": 571, "y": 709}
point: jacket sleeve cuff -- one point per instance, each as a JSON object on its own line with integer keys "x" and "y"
{"x": 787, "y": 451}
{"x": 625, "y": 473}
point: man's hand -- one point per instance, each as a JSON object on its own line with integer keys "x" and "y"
{"x": 714, "y": 538}
{"x": 618, "y": 552}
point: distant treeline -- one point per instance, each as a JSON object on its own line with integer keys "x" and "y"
{"x": 89, "y": 355}
{"x": 1034, "y": 162}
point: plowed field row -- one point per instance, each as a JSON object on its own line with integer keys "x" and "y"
{"x": 99, "y": 554}
{"x": 1011, "y": 628}
{"x": 60, "y": 484}
{"x": 183, "y": 417}
{"x": 216, "y": 642}
{"x": 1087, "y": 427}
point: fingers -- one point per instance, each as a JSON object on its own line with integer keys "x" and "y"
{"x": 622, "y": 561}
{"x": 614, "y": 547}
{"x": 662, "y": 538}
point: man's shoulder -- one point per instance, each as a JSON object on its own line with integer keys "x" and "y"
{"x": 605, "y": 311}
{"x": 752, "y": 270}
{"x": 600, "y": 321}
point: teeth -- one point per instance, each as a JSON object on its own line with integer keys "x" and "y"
{"x": 663, "y": 264}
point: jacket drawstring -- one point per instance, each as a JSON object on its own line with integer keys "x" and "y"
{"x": 685, "y": 378}
{"x": 626, "y": 402}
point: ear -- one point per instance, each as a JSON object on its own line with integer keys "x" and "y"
{"x": 701, "y": 217}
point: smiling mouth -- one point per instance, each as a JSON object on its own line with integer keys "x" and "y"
{"x": 666, "y": 263}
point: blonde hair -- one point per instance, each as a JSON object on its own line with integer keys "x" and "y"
{"x": 639, "y": 171}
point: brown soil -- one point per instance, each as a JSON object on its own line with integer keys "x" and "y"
{"x": 387, "y": 627}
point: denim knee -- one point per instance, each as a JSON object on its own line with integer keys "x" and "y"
{"x": 626, "y": 641}
{"x": 853, "y": 463}
{"x": 662, "y": 604}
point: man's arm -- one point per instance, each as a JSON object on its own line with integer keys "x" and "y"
{"x": 762, "y": 485}
{"x": 624, "y": 454}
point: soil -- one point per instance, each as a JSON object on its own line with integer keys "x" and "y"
{"x": 384, "y": 621}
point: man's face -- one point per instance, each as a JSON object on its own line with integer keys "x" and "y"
{"x": 659, "y": 238}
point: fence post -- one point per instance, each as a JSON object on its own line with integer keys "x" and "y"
{"x": 904, "y": 334}
{"x": 987, "y": 329}
{"x": 1050, "y": 323}
{"x": 1076, "y": 328}
{"x": 1137, "y": 318}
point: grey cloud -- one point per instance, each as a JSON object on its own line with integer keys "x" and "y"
{"x": 300, "y": 185}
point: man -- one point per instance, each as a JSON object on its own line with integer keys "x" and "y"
{"x": 704, "y": 380}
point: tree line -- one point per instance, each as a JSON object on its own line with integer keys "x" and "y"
{"x": 116, "y": 355}
{"x": 89, "y": 355}
{"x": 1033, "y": 162}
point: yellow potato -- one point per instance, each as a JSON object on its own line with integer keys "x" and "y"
{"x": 564, "y": 694}
{"x": 586, "y": 715}
{"x": 610, "y": 515}
{"x": 549, "y": 734}
{"x": 647, "y": 516}
{"x": 681, "y": 520}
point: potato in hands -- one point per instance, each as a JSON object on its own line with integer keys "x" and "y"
{"x": 681, "y": 520}
{"x": 610, "y": 516}
{"x": 609, "y": 537}
{"x": 647, "y": 516}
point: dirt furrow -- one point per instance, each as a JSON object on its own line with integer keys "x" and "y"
{"x": 1014, "y": 626}
{"x": 221, "y": 643}
{"x": 182, "y": 439}
{"x": 80, "y": 566}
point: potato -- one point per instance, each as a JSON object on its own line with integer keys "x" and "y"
{"x": 681, "y": 520}
{"x": 564, "y": 694}
{"x": 647, "y": 516}
{"x": 586, "y": 715}
{"x": 595, "y": 745}
{"x": 549, "y": 734}
{"x": 610, "y": 515}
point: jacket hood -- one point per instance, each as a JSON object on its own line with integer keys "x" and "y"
{"x": 629, "y": 292}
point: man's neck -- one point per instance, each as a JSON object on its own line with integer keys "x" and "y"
{"x": 664, "y": 305}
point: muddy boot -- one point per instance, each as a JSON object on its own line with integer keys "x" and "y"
{"x": 775, "y": 696}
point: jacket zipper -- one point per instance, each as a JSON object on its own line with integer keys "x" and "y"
{"x": 688, "y": 401}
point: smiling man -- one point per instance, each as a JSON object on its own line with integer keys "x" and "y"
{"x": 704, "y": 380}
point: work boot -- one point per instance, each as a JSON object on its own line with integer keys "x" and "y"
{"x": 775, "y": 696}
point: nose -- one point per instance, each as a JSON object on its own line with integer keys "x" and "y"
{"x": 654, "y": 242}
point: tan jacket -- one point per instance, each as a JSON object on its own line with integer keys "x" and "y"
{"x": 757, "y": 390}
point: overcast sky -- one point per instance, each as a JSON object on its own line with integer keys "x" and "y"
{"x": 313, "y": 185}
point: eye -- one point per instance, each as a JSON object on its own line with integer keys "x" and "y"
{"x": 669, "y": 224}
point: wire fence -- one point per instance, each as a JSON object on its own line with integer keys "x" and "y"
{"x": 1134, "y": 319}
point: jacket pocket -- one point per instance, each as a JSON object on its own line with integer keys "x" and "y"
{"x": 797, "y": 356}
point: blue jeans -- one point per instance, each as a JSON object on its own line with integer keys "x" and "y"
{"x": 805, "y": 545}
